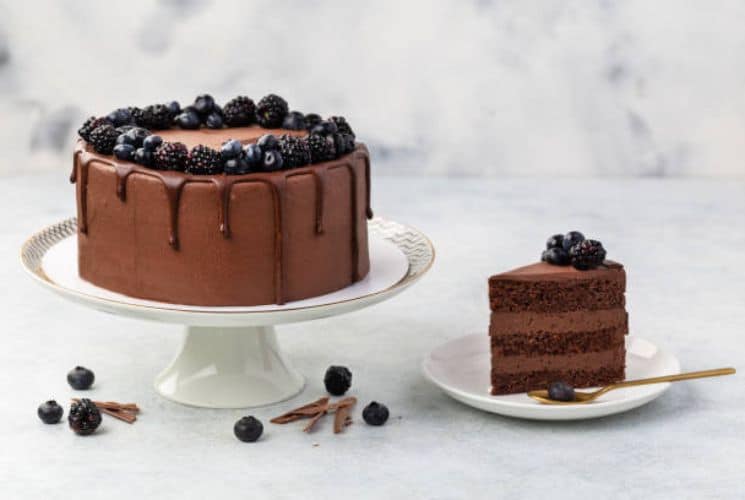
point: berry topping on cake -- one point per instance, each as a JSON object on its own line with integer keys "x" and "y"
{"x": 587, "y": 254}
{"x": 311, "y": 120}
{"x": 204, "y": 104}
{"x": 253, "y": 156}
{"x": 268, "y": 142}
{"x": 271, "y": 161}
{"x": 134, "y": 136}
{"x": 50, "y": 412}
{"x": 343, "y": 143}
{"x": 321, "y": 148}
{"x": 324, "y": 128}
{"x": 214, "y": 120}
{"x": 188, "y": 120}
{"x": 125, "y": 152}
{"x": 84, "y": 417}
{"x": 555, "y": 241}
{"x": 271, "y": 111}
{"x": 375, "y": 413}
{"x": 236, "y": 166}
{"x": 239, "y": 111}
{"x": 153, "y": 117}
{"x": 338, "y": 380}
{"x": 560, "y": 391}
{"x": 295, "y": 151}
{"x": 80, "y": 378}
{"x": 231, "y": 148}
{"x": 171, "y": 156}
{"x": 174, "y": 108}
{"x": 341, "y": 125}
{"x": 294, "y": 121}
{"x": 119, "y": 117}
{"x": 90, "y": 125}
{"x": 248, "y": 429}
{"x": 103, "y": 139}
{"x": 151, "y": 142}
{"x": 571, "y": 239}
{"x": 203, "y": 161}
{"x": 556, "y": 256}
{"x": 144, "y": 157}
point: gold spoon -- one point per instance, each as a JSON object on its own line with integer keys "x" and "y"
{"x": 586, "y": 397}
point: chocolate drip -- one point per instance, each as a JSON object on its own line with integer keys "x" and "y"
{"x": 174, "y": 182}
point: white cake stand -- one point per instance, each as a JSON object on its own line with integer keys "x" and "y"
{"x": 230, "y": 357}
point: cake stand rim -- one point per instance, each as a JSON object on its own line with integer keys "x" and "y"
{"x": 173, "y": 314}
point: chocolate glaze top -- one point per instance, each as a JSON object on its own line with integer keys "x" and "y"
{"x": 541, "y": 271}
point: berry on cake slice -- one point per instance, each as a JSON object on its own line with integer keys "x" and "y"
{"x": 271, "y": 111}
{"x": 239, "y": 111}
{"x": 587, "y": 254}
{"x": 571, "y": 238}
{"x": 556, "y": 256}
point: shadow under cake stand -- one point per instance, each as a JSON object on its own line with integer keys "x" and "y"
{"x": 230, "y": 357}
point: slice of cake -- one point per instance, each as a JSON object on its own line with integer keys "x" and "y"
{"x": 557, "y": 322}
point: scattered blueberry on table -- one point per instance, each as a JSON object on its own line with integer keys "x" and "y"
{"x": 80, "y": 378}
{"x": 248, "y": 429}
{"x": 375, "y": 413}
{"x": 50, "y": 412}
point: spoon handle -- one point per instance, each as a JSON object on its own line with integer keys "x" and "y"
{"x": 675, "y": 378}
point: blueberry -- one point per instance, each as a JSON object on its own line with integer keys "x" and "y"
{"x": 231, "y": 149}
{"x": 125, "y": 139}
{"x": 188, "y": 120}
{"x": 324, "y": 128}
{"x": 312, "y": 119}
{"x": 124, "y": 152}
{"x": 271, "y": 161}
{"x": 120, "y": 117}
{"x": 294, "y": 121}
{"x": 204, "y": 104}
{"x": 253, "y": 155}
{"x": 152, "y": 142}
{"x": 555, "y": 241}
{"x": 236, "y": 166}
{"x": 375, "y": 413}
{"x": 214, "y": 120}
{"x": 144, "y": 157}
{"x": 136, "y": 135}
{"x": 556, "y": 256}
{"x": 571, "y": 239}
{"x": 80, "y": 378}
{"x": 560, "y": 391}
{"x": 174, "y": 108}
{"x": 50, "y": 412}
{"x": 248, "y": 429}
{"x": 338, "y": 380}
{"x": 268, "y": 142}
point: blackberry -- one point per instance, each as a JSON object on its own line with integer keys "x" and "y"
{"x": 561, "y": 391}
{"x": 203, "y": 161}
{"x": 103, "y": 139}
{"x": 84, "y": 417}
{"x": 50, "y": 412}
{"x": 555, "y": 241}
{"x": 311, "y": 120}
{"x": 375, "y": 413}
{"x": 248, "y": 429}
{"x": 294, "y": 121}
{"x": 587, "y": 254}
{"x": 120, "y": 117}
{"x": 321, "y": 148}
{"x": 171, "y": 156}
{"x": 295, "y": 151}
{"x": 239, "y": 111}
{"x": 344, "y": 144}
{"x": 80, "y": 378}
{"x": 338, "y": 380}
{"x": 271, "y": 111}
{"x": 153, "y": 117}
{"x": 571, "y": 239}
{"x": 324, "y": 128}
{"x": 341, "y": 125}
{"x": 90, "y": 125}
{"x": 556, "y": 256}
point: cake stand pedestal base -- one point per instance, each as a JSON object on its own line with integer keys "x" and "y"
{"x": 231, "y": 367}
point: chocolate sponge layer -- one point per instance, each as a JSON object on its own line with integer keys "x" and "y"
{"x": 506, "y": 383}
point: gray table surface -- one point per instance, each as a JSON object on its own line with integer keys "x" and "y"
{"x": 682, "y": 242}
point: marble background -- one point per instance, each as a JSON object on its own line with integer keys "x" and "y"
{"x": 559, "y": 88}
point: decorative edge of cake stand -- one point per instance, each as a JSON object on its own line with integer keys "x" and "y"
{"x": 231, "y": 359}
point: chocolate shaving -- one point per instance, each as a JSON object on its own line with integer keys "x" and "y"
{"x": 316, "y": 410}
{"x": 313, "y": 421}
{"x": 304, "y": 411}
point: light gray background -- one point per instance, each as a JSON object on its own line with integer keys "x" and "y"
{"x": 548, "y": 88}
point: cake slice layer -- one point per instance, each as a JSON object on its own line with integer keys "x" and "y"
{"x": 510, "y": 383}
{"x": 524, "y": 323}
{"x": 557, "y": 343}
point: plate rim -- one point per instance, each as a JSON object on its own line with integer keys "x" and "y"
{"x": 564, "y": 412}
{"x": 379, "y": 225}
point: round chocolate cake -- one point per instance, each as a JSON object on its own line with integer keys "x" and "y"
{"x": 239, "y": 205}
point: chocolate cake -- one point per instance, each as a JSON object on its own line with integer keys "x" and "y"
{"x": 551, "y": 323}
{"x": 190, "y": 217}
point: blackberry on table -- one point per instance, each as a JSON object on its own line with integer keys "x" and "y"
{"x": 203, "y": 160}
{"x": 84, "y": 417}
{"x": 338, "y": 380}
{"x": 103, "y": 139}
{"x": 271, "y": 111}
{"x": 239, "y": 111}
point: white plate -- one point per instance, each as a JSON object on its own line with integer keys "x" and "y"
{"x": 461, "y": 368}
